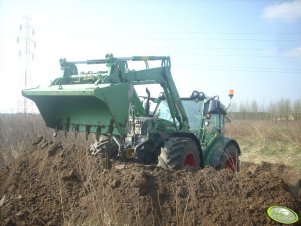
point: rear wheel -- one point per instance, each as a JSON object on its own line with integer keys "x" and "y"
{"x": 179, "y": 153}
{"x": 230, "y": 158}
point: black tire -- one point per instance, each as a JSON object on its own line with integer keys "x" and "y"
{"x": 148, "y": 154}
{"x": 179, "y": 153}
{"x": 104, "y": 147}
{"x": 230, "y": 158}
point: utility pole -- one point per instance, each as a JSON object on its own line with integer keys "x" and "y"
{"x": 27, "y": 45}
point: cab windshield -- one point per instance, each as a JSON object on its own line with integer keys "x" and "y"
{"x": 163, "y": 111}
{"x": 193, "y": 110}
{"x": 194, "y": 113}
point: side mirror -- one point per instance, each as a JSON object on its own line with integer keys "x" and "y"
{"x": 212, "y": 107}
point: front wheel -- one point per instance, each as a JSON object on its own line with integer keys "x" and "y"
{"x": 179, "y": 153}
{"x": 104, "y": 147}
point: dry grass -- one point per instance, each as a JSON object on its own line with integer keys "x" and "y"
{"x": 271, "y": 141}
{"x": 18, "y": 131}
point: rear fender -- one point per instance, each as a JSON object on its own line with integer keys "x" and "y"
{"x": 214, "y": 152}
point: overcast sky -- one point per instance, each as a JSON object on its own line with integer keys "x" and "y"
{"x": 251, "y": 46}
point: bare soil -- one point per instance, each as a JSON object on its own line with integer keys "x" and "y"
{"x": 55, "y": 185}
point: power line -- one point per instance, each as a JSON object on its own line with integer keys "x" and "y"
{"x": 210, "y": 33}
{"x": 140, "y": 35}
{"x": 259, "y": 68}
{"x": 218, "y": 48}
{"x": 245, "y": 69}
{"x": 239, "y": 55}
{"x": 220, "y": 39}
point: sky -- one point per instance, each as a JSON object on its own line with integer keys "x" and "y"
{"x": 250, "y": 46}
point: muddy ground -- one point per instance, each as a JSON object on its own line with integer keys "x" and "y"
{"x": 55, "y": 185}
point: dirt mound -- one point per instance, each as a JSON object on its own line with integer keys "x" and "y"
{"x": 55, "y": 185}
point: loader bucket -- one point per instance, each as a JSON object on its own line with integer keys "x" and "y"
{"x": 100, "y": 109}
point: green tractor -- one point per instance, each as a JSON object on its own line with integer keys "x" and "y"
{"x": 177, "y": 133}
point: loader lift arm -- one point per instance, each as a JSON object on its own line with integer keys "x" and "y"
{"x": 118, "y": 72}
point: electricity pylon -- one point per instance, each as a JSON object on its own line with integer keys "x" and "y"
{"x": 27, "y": 45}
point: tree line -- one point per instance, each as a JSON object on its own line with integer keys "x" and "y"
{"x": 284, "y": 109}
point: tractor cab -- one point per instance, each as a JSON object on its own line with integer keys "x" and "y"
{"x": 206, "y": 115}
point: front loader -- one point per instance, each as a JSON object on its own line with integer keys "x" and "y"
{"x": 178, "y": 133}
